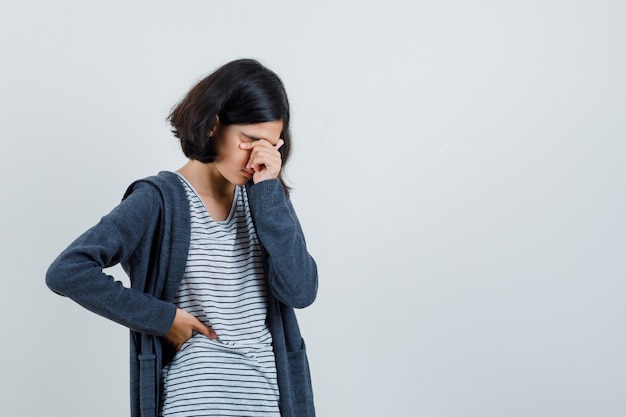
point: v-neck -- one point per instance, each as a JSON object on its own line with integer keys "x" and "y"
{"x": 233, "y": 205}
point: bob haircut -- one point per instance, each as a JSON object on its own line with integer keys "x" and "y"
{"x": 240, "y": 92}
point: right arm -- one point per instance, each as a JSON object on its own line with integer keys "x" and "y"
{"x": 78, "y": 271}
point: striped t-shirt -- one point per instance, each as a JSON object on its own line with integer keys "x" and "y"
{"x": 224, "y": 286}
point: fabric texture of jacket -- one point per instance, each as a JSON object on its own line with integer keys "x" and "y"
{"x": 148, "y": 233}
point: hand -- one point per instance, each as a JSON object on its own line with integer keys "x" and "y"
{"x": 265, "y": 160}
{"x": 183, "y": 327}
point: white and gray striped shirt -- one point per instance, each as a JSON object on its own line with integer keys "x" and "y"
{"x": 224, "y": 286}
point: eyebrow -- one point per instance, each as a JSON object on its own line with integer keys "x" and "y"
{"x": 257, "y": 138}
{"x": 250, "y": 136}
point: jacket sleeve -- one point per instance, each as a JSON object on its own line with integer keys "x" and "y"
{"x": 292, "y": 270}
{"x": 78, "y": 271}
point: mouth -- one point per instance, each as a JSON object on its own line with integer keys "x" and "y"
{"x": 247, "y": 174}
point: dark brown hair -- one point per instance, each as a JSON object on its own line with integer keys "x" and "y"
{"x": 240, "y": 92}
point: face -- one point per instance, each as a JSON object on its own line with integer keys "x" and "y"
{"x": 231, "y": 160}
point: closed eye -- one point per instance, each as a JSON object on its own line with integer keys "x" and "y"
{"x": 249, "y": 138}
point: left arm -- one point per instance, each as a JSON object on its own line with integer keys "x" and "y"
{"x": 292, "y": 270}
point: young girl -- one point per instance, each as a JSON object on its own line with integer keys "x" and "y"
{"x": 216, "y": 258}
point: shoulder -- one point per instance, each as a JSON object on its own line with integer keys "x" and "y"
{"x": 155, "y": 192}
{"x": 165, "y": 185}
{"x": 163, "y": 192}
{"x": 164, "y": 181}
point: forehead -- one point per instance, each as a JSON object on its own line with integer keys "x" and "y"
{"x": 269, "y": 131}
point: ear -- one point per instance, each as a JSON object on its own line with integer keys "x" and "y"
{"x": 215, "y": 127}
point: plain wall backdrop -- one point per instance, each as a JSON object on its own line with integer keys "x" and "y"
{"x": 459, "y": 171}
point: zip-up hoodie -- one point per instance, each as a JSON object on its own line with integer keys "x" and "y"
{"x": 148, "y": 233}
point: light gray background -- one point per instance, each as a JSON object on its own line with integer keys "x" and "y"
{"x": 459, "y": 169}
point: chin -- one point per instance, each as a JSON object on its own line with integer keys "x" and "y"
{"x": 241, "y": 181}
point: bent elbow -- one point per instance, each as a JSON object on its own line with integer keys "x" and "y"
{"x": 54, "y": 280}
{"x": 304, "y": 302}
{"x": 300, "y": 293}
{"x": 306, "y": 296}
{"x": 59, "y": 277}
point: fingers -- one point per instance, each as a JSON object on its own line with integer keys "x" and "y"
{"x": 261, "y": 158}
{"x": 205, "y": 330}
{"x": 264, "y": 160}
{"x": 183, "y": 327}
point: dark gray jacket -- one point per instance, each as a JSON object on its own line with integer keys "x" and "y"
{"x": 148, "y": 233}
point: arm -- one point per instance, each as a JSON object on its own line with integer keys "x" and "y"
{"x": 78, "y": 271}
{"x": 292, "y": 270}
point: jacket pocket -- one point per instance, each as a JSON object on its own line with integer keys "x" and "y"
{"x": 301, "y": 387}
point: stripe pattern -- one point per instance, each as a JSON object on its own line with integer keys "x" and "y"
{"x": 224, "y": 286}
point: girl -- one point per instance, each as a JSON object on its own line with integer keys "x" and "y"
{"x": 216, "y": 259}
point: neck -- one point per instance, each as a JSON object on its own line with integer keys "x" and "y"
{"x": 207, "y": 180}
